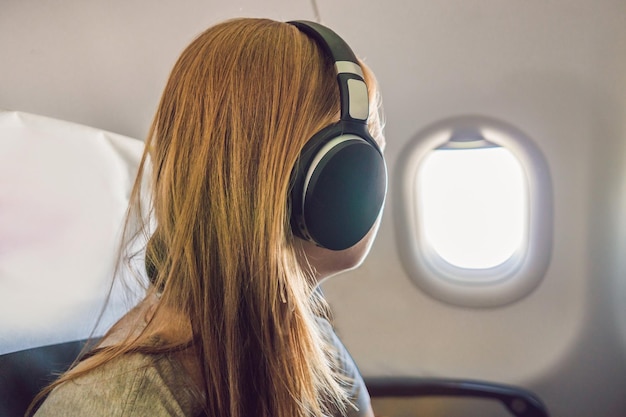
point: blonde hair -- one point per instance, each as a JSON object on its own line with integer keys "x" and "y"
{"x": 239, "y": 105}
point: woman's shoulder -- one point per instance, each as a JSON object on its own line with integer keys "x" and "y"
{"x": 347, "y": 368}
{"x": 133, "y": 384}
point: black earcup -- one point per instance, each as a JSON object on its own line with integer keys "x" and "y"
{"x": 345, "y": 195}
{"x": 340, "y": 193}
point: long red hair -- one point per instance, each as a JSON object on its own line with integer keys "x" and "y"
{"x": 239, "y": 105}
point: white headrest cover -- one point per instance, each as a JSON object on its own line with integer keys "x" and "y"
{"x": 64, "y": 190}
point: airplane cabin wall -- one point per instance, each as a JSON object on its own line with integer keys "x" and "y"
{"x": 555, "y": 71}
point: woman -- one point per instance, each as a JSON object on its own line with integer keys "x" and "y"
{"x": 231, "y": 324}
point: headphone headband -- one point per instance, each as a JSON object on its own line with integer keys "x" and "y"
{"x": 352, "y": 87}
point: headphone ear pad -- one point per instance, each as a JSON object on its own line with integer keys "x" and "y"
{"x": 343, "y": 193}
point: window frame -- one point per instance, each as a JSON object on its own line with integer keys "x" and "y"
{"x": 502, "y": 284}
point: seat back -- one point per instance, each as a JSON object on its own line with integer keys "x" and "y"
{"x": 64, "y": 191}
{"x": 25, "y": 373}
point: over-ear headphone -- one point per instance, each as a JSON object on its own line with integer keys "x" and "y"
{"x": 340, "y": 179}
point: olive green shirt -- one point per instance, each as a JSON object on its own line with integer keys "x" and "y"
{"x": 156, "y": 385}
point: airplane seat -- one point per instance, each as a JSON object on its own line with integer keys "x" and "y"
{"x": 64, "y": 190}
{"x": 25, "y": 373}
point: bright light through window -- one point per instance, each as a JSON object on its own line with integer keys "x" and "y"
{"x": 473, "y": 204}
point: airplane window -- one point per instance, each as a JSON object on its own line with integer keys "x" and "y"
{"x": 473, "y": 205}
{"x": 474, "y": 212}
